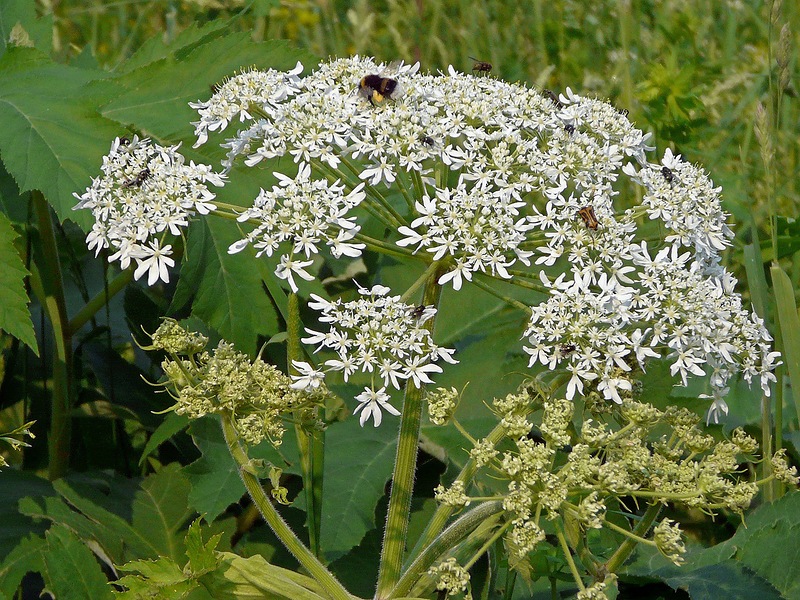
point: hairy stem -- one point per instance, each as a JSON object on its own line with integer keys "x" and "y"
{"x": 405, "y": 468}
{"x": 309, "y": 562}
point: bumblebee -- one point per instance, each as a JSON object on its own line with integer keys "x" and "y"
{"x": 588, "y": 216}
{"x": 376, "y": 89}
{"x": 480, "y": 66}
{"x": 137, "y": 181}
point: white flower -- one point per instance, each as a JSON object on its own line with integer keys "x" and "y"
{"x": 309, "y": 378}
{"x": 370, "y": 404}
{"x": 154, "y": 260}
{"x": 289, "y": 266}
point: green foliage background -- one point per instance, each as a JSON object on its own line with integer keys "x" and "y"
{"x": 74, "y": 75}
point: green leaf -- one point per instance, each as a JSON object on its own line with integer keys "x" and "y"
{"x": 214, "y": 477}
{"x": 26, "y": 557}
{"x": 228, "y": 293}
{"x": 15, "y": 318}
{"x": 23, "y": 14}
{"x": 790, "y": 328}
{"x": 358, "y": 463}
{"x": 70, "y": 568}
{"x": 157, "y": 95}
{"x": 766, "y": 546}
{"x": 254, "y": 579}
{"x": 172, "y": 424}
{"x": 15, "y": 485}
{"x": 52, "y": 139}
{"x": 160, "y": 510}
{"x": 160, "y": 579}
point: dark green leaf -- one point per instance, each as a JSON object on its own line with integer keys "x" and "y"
{"x": 26, "y": 557}
{"x": 71, "y": 570}
{"x": 52, "y": 139}
{"x": 358, "y": 463}
{"x": 15, "y": 318}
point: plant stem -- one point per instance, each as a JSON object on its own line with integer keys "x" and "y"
{"x": 405, "y": 467}
{"x": 624, "y": 551}
{"x": 55, "y": 305}
{"x": 443, "y": 512}
{"x": 310, "y": 563}
{"x": 447, "y": 540}
{"x": 568, "y": 556}
{"x": 305, "y": 443}
{"x": 114, "y": 286}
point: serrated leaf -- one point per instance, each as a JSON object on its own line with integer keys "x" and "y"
{"x": 157, "y": 95}
{"x": 358, "y": 463}
{"x": 160, "y": 579}
{"x": 156, "y": 48}
{"x": 160, "y": 510}
{"x": 25, "y": 557}
{"x": 727, "y": 580}
{"x": 15, "y": 485}
{"x": 172, "y": 424}
{"x": 214, "y": 477}
{"x": 52, "y": 138}
{"x": 201, "y": 554}
{"x": 228, "y": 292}
{"x": 71, "y": 570}
{"x": 15, "y": 318}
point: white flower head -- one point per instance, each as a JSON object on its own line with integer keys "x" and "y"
{"x": 145, "y": 192}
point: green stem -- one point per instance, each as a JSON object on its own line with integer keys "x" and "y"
{"x": 568, "y": 556}
{"x": 312, "y": 487}
{"x": 447, "y": 540}
{"x": 114, "y": 286}
{"x": 54, "y": 303}
{"x": 443, "y": 512}
{"x": 309, "y": 562}
{"x": 405, "y": 468}
{"x": 624, "y": 551}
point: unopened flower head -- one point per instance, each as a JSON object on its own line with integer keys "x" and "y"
{"x": 376, "y": 334}
{"x": 255, "y": 394}
{"x": 451, "y": 578}
{"x": 501, "y": 181}
{"x": 146, "y": 192}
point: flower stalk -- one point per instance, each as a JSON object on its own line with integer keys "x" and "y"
{"x": 393, "y": 549}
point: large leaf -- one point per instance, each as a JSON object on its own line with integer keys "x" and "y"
{"x": 23, "y": 15}
{"x": 70, "y": 568}
{"x": 214, "y": 477}
{"x": 157, "y": 95}
{"x": 158, "y": 509}
{"x": 766, "y": 547}
{"x": 228, "y": 293}
{"x": 358, "y": 463}
{"x": 52, "y": 138}
{"x": 15, "y": 318}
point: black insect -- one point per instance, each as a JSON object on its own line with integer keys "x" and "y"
{"x": 137, "y": 181}
{"x": 480, "y": 66}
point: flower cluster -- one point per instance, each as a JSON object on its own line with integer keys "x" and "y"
{"x": 636, "y": 452}
{"x": 306, "y": 213}
{"x": 254, "y": 393}
{"x": 503, "y": 181}
{"x": 377, "y": 334}
{"x": 146, "y": 191}
{"x": 451, "y": 578}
